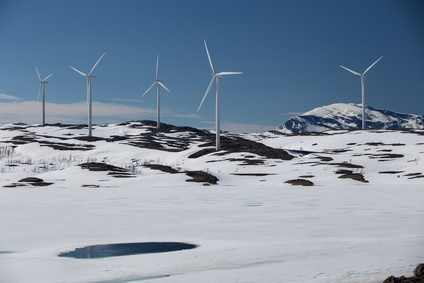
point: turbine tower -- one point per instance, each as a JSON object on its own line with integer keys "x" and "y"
{"x": 216, "y": 76}
{"x": 159, "y": 84}
{"x": 89, "y": 77}
{"x": 362, "y": 87}
{"x": 43, "y": 86}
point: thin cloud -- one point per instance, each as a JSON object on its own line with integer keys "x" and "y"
{"x": 126, "y": 100}
{"x": 238, "y": 127}
{"x": 30, "y": 112}
{"x": 245, "y": 128}
{"x": 187, "y": 116}
{"x": 8, "y": 97}
{"x": 294, "y": 113}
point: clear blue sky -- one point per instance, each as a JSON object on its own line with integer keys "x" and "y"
{"x": 289, "y": 52}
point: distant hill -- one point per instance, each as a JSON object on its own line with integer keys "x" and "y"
{"x": 346, "y": 116}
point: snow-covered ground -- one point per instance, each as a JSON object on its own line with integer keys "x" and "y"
{"x": 250, "y": 227}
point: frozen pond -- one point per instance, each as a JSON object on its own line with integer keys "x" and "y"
{"x": 111, "y": 250}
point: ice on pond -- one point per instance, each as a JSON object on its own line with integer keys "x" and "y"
{"x": 110, "y": 250}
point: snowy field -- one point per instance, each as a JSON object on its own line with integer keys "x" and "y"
{"x": 250, "y": 227}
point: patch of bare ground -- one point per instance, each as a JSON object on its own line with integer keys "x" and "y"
{"x": 413, "y": 174}
{"x": 386, "y": 156}
{"x": 163, "y": 168}
{"x": 390, "y": 172}
{"x": 14, "y": 185}
{"x": 324, "y": 158}
{"x": 201, "y": 177}
{"x": 114, "y": 171}
{"x": 354, "y": 176}
{"x": 237, "y": 145}
{"x": 339, "y": 150}
{"x": 247, "y": 161}
{"x": 299, "y": 182}
{"x": 90, "y": 186}
{"x": 347, "y": 165}
{"x": 307, "y": 176}
{"x": 252, "y": 174}
{"x": 196, "y": 176}
{"x": 202, "y": 152}
{"x": 416, "y": 177}
{"x": 34, "y": 181}
{"x": 25, "y": 139}
{"x": 417, "y": 277}
{"x": 343, "y": 171}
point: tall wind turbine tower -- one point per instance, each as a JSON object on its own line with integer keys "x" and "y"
{"x": 216, "y": 76}
{"x": 43, "y": 86}
{"x": 159, "y": 84}
{"x": 89, "y": 77}
{"x": 362, "y": 87}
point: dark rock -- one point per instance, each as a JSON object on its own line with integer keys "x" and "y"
{"x": 202, "y": 152}
{"x": 324, "y": 158}
{"x": 97, "y": 166}
{"x": 201, "y": 177}
{"x": 299, "y": 182}
{"x": 237, "y": 144}
{"x": 14, "y": 185}
{"x": 114, "y": 171}
{"x": 344, "y": 171}
{"x": 418, "y": 276}
{"x": 34, "y": 181}
{"x": 31, "y": 180}
{"x": 163, "y": 168}
{"x": 354, "y": 176}
{"x": 419, "y": 270}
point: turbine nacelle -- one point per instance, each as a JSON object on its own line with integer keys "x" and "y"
{"x": 215, "y": 76}
{"x": 159, "y": 84}
{"x": 362, "y": 86}
{"x": 89, "y": 77}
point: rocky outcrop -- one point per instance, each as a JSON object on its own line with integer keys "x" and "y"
{"x": 418, "y": 276}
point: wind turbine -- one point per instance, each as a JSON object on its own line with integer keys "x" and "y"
{"x": 89, "y": 77}
{"x": 362, "y": 87}
{"x": 159, "y": 84}
{"x": 43, "y": 86}
{"x": 216, "y": 76}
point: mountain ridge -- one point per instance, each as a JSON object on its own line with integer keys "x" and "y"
{"x": 341, "y": 116}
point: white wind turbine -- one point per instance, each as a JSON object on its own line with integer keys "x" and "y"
{"x": 362, "y": 87}
{"x": 216, "y": 76}
{"x": 43, "y": 86}
{"x": 89, "y": 77}
{"x": 159, "y": 84}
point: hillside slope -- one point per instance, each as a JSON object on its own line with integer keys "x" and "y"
{"x": 348, "y": 116}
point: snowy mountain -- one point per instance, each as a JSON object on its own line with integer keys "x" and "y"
{"x": 347, "y": 116}
{"x": 355, "y": 215}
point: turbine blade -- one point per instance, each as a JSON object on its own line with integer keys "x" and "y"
{"x": 229, "y": 73}
{"x": 157, "y": 67}
{"x": 39, "y": 91}
{"x": 206, "y": 93}
{"x": 209, "y": 57}
{"x": 38, "y": 73}
{"x": 81, "y": 73}
{"x": 372, "y": 65}
{"x": 47, "y": 77}
{"x": 162, "y": 85}
{"x": 149, "y": 89}
{"x": 353, "y": 72}
{"x": 96, "y": 64}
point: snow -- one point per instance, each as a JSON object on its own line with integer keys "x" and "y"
{"x": 248, "y": 228}
{"x": 348, "y": 116}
